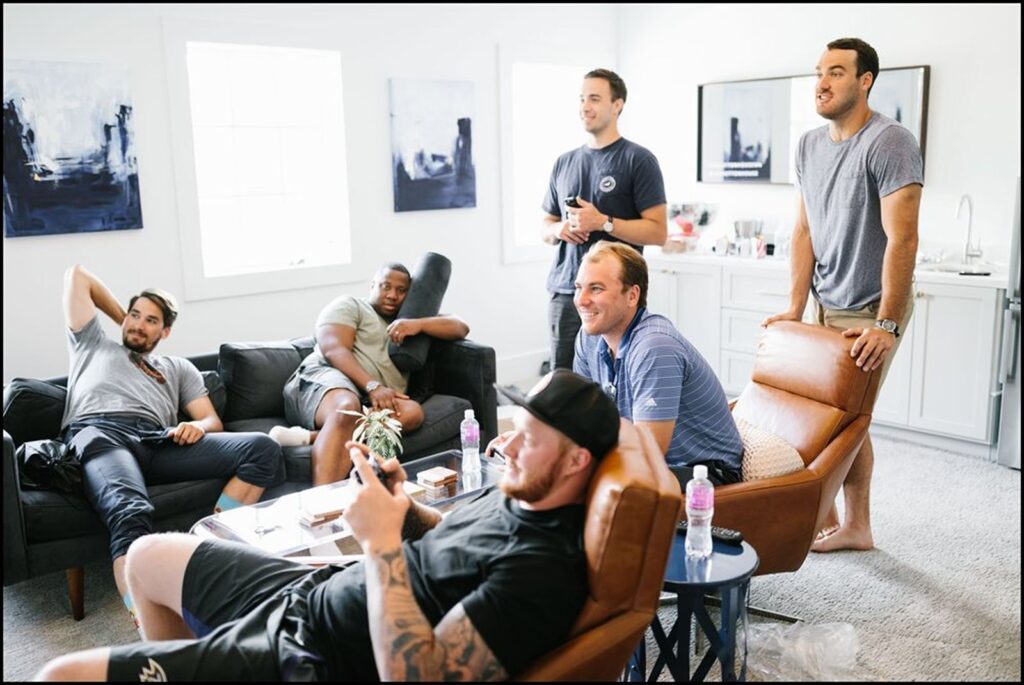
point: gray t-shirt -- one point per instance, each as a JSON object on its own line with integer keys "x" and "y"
{"x": 104, "y": 380}
{"x": 371, "y": 344}
{"x": 842, "y": 185}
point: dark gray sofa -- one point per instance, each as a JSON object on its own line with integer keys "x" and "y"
{"x": 48, "y": 531}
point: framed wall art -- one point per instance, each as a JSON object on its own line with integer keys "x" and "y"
{"x": 69, "y": 149}
{"x": 747, "y": 131}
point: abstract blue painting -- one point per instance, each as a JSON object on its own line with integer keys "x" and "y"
{"x": 69, "y": 149}
{"x": 432, "y": 144}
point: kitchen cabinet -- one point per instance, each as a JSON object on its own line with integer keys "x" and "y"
{"x": 689, "y": 296}
{"x": 941, "y": 381}
{"x": 954, "y": 360}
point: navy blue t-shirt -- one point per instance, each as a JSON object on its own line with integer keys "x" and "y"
{"x": 622, "y": 179}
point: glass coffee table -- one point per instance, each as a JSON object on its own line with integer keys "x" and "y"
{"x": 274, "y": 526}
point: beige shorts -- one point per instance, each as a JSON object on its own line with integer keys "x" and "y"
{"x": 841, "y": 319}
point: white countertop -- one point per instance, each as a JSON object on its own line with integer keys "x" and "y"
{"x": 998, "y": 278}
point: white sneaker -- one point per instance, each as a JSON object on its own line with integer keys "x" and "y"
{"x": 296, "y": 436}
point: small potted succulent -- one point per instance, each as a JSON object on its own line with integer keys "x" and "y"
{"x": 378, "y": 430}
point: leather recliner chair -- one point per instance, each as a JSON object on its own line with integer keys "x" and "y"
{"x": 633, "y": 505}
{"x": 806, "y": 389}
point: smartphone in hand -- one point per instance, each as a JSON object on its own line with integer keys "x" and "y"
{"x": 570, "y": 201}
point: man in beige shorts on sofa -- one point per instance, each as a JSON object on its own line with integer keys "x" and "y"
{"x": 855, "y": 242}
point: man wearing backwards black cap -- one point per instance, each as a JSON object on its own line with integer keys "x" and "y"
{"x": 477, "y": 596}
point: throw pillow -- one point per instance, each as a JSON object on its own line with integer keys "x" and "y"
{"x": 33, "y": 409}
{"x": 766, "y": 455}
{"x": 429, "y": 283}
{"x": 254, "y": 375}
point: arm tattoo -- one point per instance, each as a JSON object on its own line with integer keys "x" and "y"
{"x": 418, "y": 520}
{"x": 405, "y": 645}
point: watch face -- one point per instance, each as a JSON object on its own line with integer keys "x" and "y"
{"x": 887, "y": 325}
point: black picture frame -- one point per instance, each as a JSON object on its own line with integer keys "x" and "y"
{"x": 747, "y": 130}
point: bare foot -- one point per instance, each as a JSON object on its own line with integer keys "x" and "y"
{"x": 844, "y": 538}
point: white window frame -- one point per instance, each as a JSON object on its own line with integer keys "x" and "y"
{"x": 508, "y": 55}
{"x": 177, "y": 33}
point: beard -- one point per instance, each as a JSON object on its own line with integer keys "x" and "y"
{"x": 144, "y": 347}
{"x": 840, "y": 108}
{"x": 535, "y": 488}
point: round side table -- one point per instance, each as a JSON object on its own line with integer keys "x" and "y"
{"x": 726, "y": 573}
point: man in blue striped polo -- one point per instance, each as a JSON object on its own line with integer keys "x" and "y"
{"x": 656, "y": 377}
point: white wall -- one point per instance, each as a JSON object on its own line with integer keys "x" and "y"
{"x": 505, "y": 305}
{"x": 664, "y": 52}
{"x": 973, "y": 143}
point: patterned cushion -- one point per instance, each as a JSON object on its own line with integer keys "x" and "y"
{"x": 766, "y": 455}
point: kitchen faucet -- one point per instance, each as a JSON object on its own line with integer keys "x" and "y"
{"x": 970, "y": 253}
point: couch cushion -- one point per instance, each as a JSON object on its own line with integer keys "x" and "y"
{"x": 215, "y": 390}
{"x": 429, "y": 283}
{"x": 766, "y": 455}
{"x": 254, "y": 375}
{"x": 33, "y": 409}
{"x": 440, "y": 431}
{"x": 52, "y": 516}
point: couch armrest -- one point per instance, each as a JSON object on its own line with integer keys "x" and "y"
{"x": 15, "y": 549}
{"x": 466, "y": 369}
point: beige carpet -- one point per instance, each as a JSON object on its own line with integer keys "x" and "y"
{"x": 939, "y": 599}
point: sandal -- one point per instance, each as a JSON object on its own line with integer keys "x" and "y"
{"x": 825, "y": 532}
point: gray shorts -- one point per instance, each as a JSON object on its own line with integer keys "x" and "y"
{"x": 306, "y": 388}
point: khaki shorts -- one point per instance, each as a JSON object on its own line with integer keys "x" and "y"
{"x": 841, "y": 319}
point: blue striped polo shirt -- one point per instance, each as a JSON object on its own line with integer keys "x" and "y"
{"x": 660, "y": 376}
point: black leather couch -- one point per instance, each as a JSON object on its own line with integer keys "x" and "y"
{"x": 48, "y": 531}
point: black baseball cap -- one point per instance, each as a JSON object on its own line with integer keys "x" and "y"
{"x": 575, "y": 406}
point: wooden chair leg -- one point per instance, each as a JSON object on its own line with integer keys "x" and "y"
{"x": 76, "y": 591}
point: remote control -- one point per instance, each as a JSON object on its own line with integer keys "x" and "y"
{"x": 377, "y": 470}
{"x": 727, "y": 535}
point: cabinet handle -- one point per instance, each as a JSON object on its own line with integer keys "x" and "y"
{"x": 770, "y": 292}
{"x": 920, "y": 295}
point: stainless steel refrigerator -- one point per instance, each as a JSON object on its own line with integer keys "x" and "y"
{"x": 1009, "y": 368}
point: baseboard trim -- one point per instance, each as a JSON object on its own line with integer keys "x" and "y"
{"x": 519, "y": 366}
{"x": 963, "y": 447}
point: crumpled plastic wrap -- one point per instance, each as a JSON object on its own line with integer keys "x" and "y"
{"x": 803, "y": 652}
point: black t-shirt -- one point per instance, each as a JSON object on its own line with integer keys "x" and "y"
{"x": 520, "y": 575}
{"x": 622, "y": 179}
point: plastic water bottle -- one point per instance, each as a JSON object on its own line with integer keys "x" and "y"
{"x": 700, "y": 507}
{"x": 469, "y": 429}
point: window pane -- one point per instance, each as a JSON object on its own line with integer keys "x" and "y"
{"x": 545, "y": 124}
{"x": 269, "y": 141}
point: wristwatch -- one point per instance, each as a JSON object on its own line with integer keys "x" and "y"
{"x": 609, "y": 227}
{"x": 889, "y": 326}
{"x": 371, "y": 386}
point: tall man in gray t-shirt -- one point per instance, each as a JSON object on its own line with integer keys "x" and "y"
{"x": 121, "y": 416}
{"x": 855, "y": 241}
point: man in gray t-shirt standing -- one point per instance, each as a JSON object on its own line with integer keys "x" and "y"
{"x": 121, "y": 416}
{"x": 855, "y": 241}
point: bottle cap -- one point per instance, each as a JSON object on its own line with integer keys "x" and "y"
{"x": 469, "y": 414}
{"x": 700, "y": 471}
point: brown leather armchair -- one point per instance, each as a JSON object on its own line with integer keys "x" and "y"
{"x": 632, "y": 509}
{"x": 806, "y": 389}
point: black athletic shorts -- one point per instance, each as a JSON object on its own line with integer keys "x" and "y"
{"x": 248, "y": 612}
